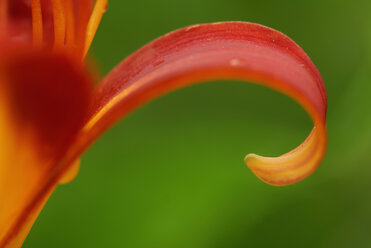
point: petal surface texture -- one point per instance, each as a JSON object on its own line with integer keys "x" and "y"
{"x": 44, "y": 101}
{"x": 231, "y": 50}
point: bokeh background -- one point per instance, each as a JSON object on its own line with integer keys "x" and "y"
{"x": 172, "y": 173}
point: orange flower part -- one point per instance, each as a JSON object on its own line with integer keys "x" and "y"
{"x": 44, "y": 98}
{"x": 49, "y": 115}
{"x": 43, "y": 104}
{"x": 64, "y": 25}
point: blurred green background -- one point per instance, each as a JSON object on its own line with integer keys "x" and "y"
{"x": 172, "y": 173}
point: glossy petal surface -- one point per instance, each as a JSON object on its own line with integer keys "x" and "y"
{"x": 233, "y": 50}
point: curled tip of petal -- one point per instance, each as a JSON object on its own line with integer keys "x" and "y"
{"x": 249, "y": 159}
{"x": 291, "y": 167}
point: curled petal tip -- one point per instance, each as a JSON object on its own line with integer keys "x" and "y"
{"x": 291, "y": 167}
{"x": 249, "y": 158}
{"x": 265, "y": 171}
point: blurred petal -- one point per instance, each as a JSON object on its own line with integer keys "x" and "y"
{"x": 43, "y": 104}
{"x": 234, "y": 50}
{"x": 64, "y": 25}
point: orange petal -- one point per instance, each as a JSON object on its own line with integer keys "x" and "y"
{"x": 43, "y": 104}
{"x": 233, "y": 50}
{"x": 92, "y": 27}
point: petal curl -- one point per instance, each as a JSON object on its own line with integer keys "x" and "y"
{"x": 232, "y": 50}
{"x": 44, "y": 102}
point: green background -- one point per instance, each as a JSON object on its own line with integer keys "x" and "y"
{"x": 172, "y": 173}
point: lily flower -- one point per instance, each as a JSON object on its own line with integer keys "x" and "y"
{"x": 50, "y": 112}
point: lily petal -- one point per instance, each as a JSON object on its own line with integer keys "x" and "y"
{"x": 232, "y": 50}
{"x": 44, "y": 100}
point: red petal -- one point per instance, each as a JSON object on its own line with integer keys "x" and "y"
{"x": 233, "y": 50}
